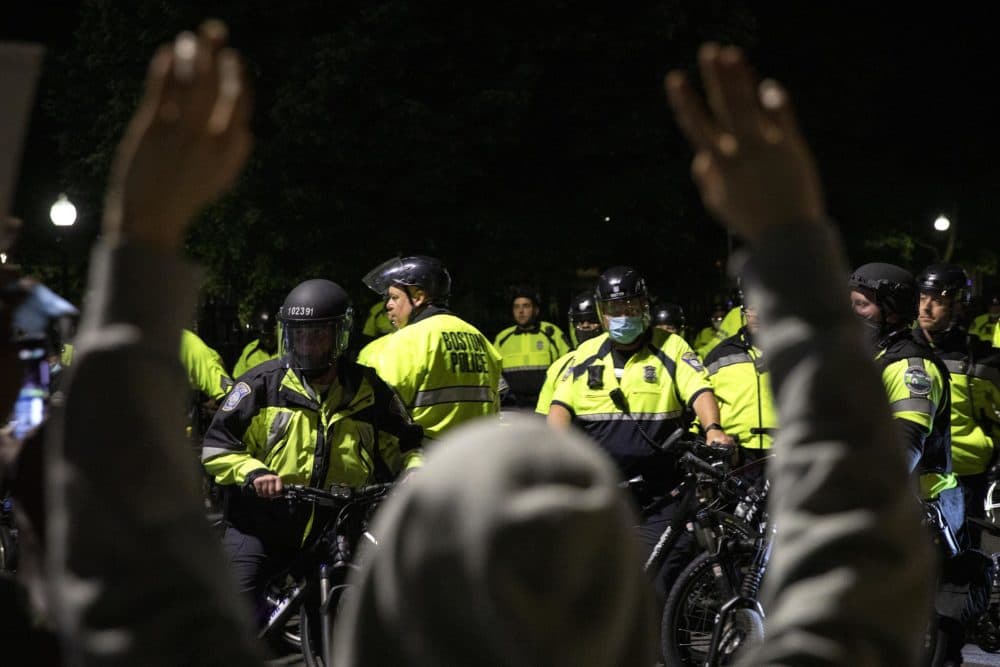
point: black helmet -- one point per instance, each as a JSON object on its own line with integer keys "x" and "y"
{"x": 265, "y": 325}
{"x": 264, "y": 319}
{"x": 582, "y": 308}
{"x": 421, "y": 271}
{"x": 893, "y": 287}
{"x": 313, "y": 307}
{"x": 669, "y": 314}
{"x": 945, "y": 280}
{"x": 620, "y": 282}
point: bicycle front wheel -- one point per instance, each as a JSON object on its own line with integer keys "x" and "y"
{"x": 689, "y": 616}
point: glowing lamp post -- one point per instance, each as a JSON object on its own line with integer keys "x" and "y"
{"x": 943, "y": 224}
{"x": 63, "y": 215}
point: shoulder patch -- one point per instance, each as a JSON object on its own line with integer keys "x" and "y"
{"x": 235, "y": 395}
{"x": 917, "y": 381}
{"x": 692, "y": 360}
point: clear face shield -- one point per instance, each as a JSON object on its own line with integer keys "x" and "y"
{"x": 313, "y": 347}
{"x": 382, "y": 277}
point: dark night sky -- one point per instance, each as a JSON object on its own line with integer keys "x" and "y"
{"x": 897, "y": 106}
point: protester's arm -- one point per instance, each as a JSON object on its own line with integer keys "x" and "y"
{"x": 138, "y": 577}
{"x": 849, "y": 552}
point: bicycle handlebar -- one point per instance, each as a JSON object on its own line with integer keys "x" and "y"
{"x": 337, "y": 495}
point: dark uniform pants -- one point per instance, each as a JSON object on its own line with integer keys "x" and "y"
{"x": 651, "y": 528}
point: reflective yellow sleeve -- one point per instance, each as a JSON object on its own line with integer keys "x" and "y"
{"x": 914, "y": 392}
{"x": 204, "y": 367}
{"x": 553, "y": 376}
{"x": 690, "y": 376}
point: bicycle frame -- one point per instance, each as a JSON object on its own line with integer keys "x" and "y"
{"x": 320, "y": 570}
{"x": 738, "y": 545}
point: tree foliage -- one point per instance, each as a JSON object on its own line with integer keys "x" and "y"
{"x": 497, "y": 137}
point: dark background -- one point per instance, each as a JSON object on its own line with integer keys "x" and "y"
{"x": 501, "y": 136}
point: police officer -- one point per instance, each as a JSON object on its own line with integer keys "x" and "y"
{"x": 583, "y": 325}
{"x": 311, "y": 417}
{"x": 632, "y": 383}
{"x": 208, "y": 378}
{"x": 742, "y": 387}
{"x": 206, "y": 375}
{"x": 985, "y": 324}
{"x": 264, "y": 347}
{"x": 731, "y": 322}
{"x": 975, "y": 383}
{"x": 528, "y": 348}
{"x": 884, "y": 296}
{"x": 705, "y": 339}
{"x": 670, "y": 317}
{"x": 377, "y": 324}
{"x": 443, "y": 368}
{"x": 204, "y": 367}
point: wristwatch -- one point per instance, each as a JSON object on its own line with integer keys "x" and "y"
{"x": 714, "y": 426}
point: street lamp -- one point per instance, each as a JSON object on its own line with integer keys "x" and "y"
{"x": 63, "y": 215}
{"x": 943, "y": 224}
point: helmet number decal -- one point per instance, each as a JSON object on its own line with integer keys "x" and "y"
{"x": 301, "y": 310}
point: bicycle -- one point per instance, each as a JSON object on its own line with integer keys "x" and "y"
{"x": 312, "y": 587}
{"x": 712, "y": 611}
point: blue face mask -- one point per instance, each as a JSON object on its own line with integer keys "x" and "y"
{"x": 625, "y": 329}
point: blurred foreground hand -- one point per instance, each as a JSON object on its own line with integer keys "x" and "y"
{"x": 186, "y": 143}
{"x": 751, "y": 164}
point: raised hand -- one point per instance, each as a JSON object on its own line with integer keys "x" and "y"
{"x": 186, "y": 143}
{"x": 751, "y": 164}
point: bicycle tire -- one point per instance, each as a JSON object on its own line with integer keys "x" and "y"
{"x": 689, "y": 618}
{"x": 310, "y": 624}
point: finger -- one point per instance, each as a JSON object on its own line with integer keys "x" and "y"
{"x": 160, "y": 96}
{"x": 737, "y": 83}
{"x": 197, "y": 73}
{"x": 778, "y": 111}
{"x": 214, "y": 32}
{"x": 227, "y": 111}
{"x": 709, "y": 63}
{"x": 231, "y": 118}
{"x": 703, "y": 171}
{"x": 690, "y": 113}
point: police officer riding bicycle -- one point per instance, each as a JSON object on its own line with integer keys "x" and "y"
{"x": 311, "y": 417}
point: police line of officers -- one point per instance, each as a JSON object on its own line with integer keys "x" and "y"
{"x": 300, "y": 411}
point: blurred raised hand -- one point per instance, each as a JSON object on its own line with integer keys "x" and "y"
{"x": 751, "y": 164}
{"x": 186, "y": 143}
